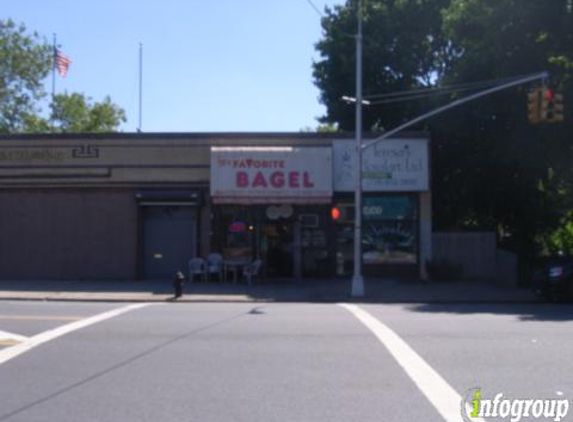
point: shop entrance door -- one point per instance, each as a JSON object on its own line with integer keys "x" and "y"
{"x": 277, "y": 249}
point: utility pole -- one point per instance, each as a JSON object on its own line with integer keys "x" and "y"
{"x": 140, "y": 85}
{"x": 357, "y": 279}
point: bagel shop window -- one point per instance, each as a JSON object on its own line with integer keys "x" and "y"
{"x": 234, "y": 231}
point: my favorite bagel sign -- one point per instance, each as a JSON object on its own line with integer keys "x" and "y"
{"x": 251, "y": 175}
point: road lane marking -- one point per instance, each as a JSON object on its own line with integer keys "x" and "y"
{"x": 9, "y": 342}
{"x": 440, "y": 394}
{"x": 5, "y": 335}
{"x": 10, "y": 339}
{"x": 32, "y": 342}
{"x": 38, "y": 318}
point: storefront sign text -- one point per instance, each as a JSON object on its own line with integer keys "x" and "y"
{"x": 391, "y": 165}
{"x": 277, "y": 179}
{"x": 28, "y": 155}
{"x": 271, "y": 174}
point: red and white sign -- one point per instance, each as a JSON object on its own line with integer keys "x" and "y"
{"x": 268, "y": 175}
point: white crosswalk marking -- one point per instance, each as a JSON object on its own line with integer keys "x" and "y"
{"x": 30, "y": 343}
{"x": 6, "y": 336}
{"x": 437, "y": 390}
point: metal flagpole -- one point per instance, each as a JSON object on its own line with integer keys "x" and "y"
{"x": 54, "y": 68}
{"x": 357, "y": 279}
{"x": 140, "y": 84}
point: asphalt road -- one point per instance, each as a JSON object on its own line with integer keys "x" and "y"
{"x": 275, "y": 362}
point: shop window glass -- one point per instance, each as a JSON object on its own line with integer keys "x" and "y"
{"x": 390, "y": 230}
{"x": 235, "y": 232}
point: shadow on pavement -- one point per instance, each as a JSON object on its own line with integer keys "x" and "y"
{"x": 377, "y": 290}
{"x": 527, "y": 312}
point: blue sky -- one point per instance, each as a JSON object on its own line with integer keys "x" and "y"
{"x": 215, "y": 65}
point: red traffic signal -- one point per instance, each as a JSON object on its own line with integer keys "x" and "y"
{"x": 335, "y": 213}
{"x": 551, "y": 110}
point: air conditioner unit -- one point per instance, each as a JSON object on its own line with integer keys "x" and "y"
{"x": 309, "y": 220}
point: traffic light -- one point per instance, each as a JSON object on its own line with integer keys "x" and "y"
{"x": 546, "y": 105}
{"x": 342, "y": 213}
{"x": 551, "y": 109}
{"x": 533, "y": 106}
{"x": 557, "y": 108}
{"x": 335, "y": 213}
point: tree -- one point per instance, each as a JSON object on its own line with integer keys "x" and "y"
{"x": 25, "y": 62}
{"x": 518, "y": 180}
{"x": 492, "y": 170}
{"x": 390, "y": 28}
{"x": 76, "y": 113}
{"x": 322, "y": 128}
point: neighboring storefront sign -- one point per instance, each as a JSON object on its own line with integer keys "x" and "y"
{"x": 391, "y": 165}
{"x": 389, "y": 208}
{"x": 267, "y": 175}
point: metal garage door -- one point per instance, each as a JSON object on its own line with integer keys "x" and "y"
{"x": 170, "y": 239}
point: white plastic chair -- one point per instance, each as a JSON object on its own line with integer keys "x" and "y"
{"x": 197, "y": 267}
{"x": 215, "y": 265}
{"x": 251, "y": 271}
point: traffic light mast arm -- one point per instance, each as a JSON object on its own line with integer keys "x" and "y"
{"x": 518, "y": 81}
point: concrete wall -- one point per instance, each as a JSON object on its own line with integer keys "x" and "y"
{"x": 68, "y": 234}
{"x": 123, "y": 159}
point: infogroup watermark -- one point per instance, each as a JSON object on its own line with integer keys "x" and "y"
{"x": 474, "y": 406}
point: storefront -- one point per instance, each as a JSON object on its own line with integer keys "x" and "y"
{"x": 139, "y": 206}
{"x": 396, "y": 207}
{"x": 294, "y": 208}
{"x": 273, "y": 203}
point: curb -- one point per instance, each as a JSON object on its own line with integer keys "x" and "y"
{"x": 227, "y": 299}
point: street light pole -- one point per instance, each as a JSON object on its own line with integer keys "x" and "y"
{"x": 519, "y": 80}
{"x": 357, "y": 279}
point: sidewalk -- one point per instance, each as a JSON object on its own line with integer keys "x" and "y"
{"x": 338, "y": 290}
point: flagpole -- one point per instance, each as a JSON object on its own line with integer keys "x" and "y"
{"x": 140, "y": 84}
{"x": 54, "y": 69}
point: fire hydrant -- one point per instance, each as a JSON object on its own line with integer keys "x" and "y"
{"x": 178, "y": 283}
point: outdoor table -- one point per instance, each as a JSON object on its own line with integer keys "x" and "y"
{"x": 234, "y": 265}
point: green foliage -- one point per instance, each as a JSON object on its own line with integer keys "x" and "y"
{"x": 561, "y": 240}
{"x": 491, "y": 163}
{"x": 76, "y": 113}
{"x": 403, "y": 49}
{"x": 492, "y": 170}
{"x": 25, "y": 62}
{"x": 322, "y": 128}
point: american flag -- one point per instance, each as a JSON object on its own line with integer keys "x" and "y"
{"x": 62, "y": 63}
